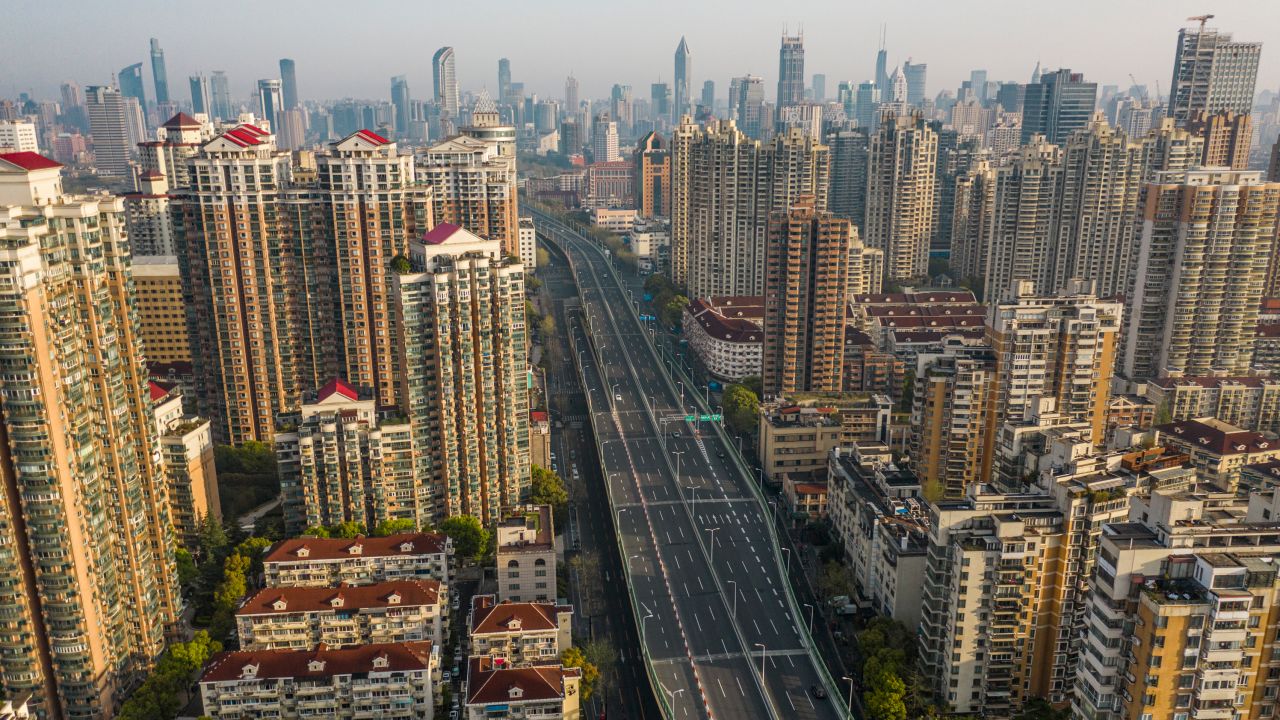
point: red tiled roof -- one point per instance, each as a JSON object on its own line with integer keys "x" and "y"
{"x": 334, "y": 548}
{"x": 1205, "y": 381}
{"x": 1269, "y": 330}
{"x": 539, "y": 416}
{"x": 181, "y": 120}
{"x": 309, "y": 599}
{"x": 1222, "y": 442}
{"x": 400, "y": 657}
{"x": 372, "y": 137}
{"x": 255, "y": 130}
{"x": 930, "y": 336}
{"x": 340, "y": 386}
{"x": 917, "y": 298}
{"x": 490, "y": 616}
{"x": 726, "y": 321}
{"x": 440, "y": 233}
{"x": 29, "y": 160}
{"x": 242, "y": 137}
{"x": 157, "y": 390}
{"x": 488, "y": 683}
{"x": 811, "y": 488}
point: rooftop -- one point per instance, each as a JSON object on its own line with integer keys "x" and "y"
{"x": 399, "y": 545}
{"x": 734, "y": 319}
{"x": 489, "y": 682}
{"x": 321, "y": 662}
{"x": 28, "y": 161}
{"x": 1218, "y": 436}
{"x": 399, "y": 593}
{"x": 489, "y": 616}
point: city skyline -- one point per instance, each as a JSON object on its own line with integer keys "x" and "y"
{"x": 838, "y": 42}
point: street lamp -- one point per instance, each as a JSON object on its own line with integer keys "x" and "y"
{"x": 849, "y": 680}
{"x": 734, "y": 583}
{"x": 673, "y": 694}
{"x": 787, "y": 550}
{"x": 712, "y": 560}
{"x": 810, "y": 617}
{"x": 677, "y": 453}
{"x": 762, "y": 651}
{"x": 643, "y": 636}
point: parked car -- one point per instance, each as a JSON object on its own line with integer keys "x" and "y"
{"x": 818, "y": 692}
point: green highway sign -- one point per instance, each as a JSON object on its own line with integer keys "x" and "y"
{"x": 703, "y": 418}
{"x": 690, "y": 418}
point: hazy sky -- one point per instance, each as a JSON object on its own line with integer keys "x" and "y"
{"x": 351, "y": 49}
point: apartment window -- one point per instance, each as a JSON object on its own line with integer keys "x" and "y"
{"x": 1182, "y": 700}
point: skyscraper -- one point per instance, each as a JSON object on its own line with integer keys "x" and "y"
{"x": 723, "y": 187}
{"x": 91, "y": 586}
{"x": 1227, "y": 138}
{"x": 221, "y": 91}
{"x": 653, "y": 177}
{"x": 571, "y": 94}
{"x": 882, "y": 62}
{"x": 131, "y": 84}
{"x": 747, "y": 104}
{"x": 504, "y": 80}
{"x": 107, "y": 122}
{"x": 604, "y": 139}
{"x": 805, "y": 291}
{"x": 270, "y": 102}
{"x": 474, "y": 180}
{"x": 464, "y": 377}
{"x": 819, "y": 88}
{"x": 1061, "y": 103}
{"x": 916, "y": 74}
{"x": 866, "y": 101}
{"x": 978, "y": 81}
{"x": 400, "y": 99}
{"x": 158, "y": 74}
{"x": 1206, "y": 239}
{"x": 709, "y": 95}
{"x": 289, "y": 84}
{"x": 660, "y": 100}
{"x": 791, "y": 71}
{"x": 201, "y": 95}
{"x": 446, "y": 83}
{"x": 847, "y": 190}
{"x": 1211, "y": 74}
{"x": 684, "y": 78}
{"x": 900, "y": 195}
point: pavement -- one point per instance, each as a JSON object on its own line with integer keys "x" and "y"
{"x": 703, "y": 571}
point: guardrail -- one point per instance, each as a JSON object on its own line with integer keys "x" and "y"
{"x": 654, "y": 684}
{"x": 833, "y": 689}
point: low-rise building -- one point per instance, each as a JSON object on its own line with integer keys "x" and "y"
{"x": 326, "y": 562}
{"x": 518, "y": 633}
{"x": 804, "y": 499}
{"x": 1248, "y": 402}
{"x": 528, "y": 239}
{"x": 526, "y": 554}
{"x": 540, "y": 438}
{"x": 392, "y": 681}
{"x": 650, "y": 240}
{"x": 546, "y": 692}
{"x": 303, "y": 617}
{"x": 1218, "y": 450}
{"x": 795, "y": 441}
{"x": 186, "y": 445}
{"x": 1129, "y": 411}
{"x": 614, "y": 219}
{"x": 726, "y": 334}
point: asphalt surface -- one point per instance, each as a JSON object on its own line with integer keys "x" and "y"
{"x": 704, "y": 575}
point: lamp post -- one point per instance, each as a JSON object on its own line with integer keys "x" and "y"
{"x": 712, "y": 560}
{"x": 677, "y": 453}
{"x": 810, "y": 617}
{"x": 849, "y": 680}
{"x": 734, "y": 583}
{"x": 673, "y": 694}
{"x": 762, "y": 652}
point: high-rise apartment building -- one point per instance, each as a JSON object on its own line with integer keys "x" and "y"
{"x": 746, "y": 101}
{"x": 790, "y": 71}
{"x": 1212, "y": 73}
{"x": 177, "y": 140}
{"x": 1203, "y": 248}
{"x": 271, "y": 102}
{"x": 724, "y": 185}
{"x": 110, "y": 129}
{"x": 952, "y": 416}
{"x": 132, "y": 85}
{"x": 1058, "y": 105}
{"x": 445, "y": 77}
{"x": 847, "y": 186}
{"x": 91, "y": 589}
{"x": 464, "y": 372}
{"x": 162, "y": 316}
{"x": 18, "y": 136}
{"x": 159, "y": 75}
{"x": 900, "y": 195}
{"x": 474, "y": 185}
{"x": 288, "y": 84}
{"x": 364, "y": 178}
{"x": 805, "y": 292}
{"x": 339, "y": 462}
{"x": 1227, "y": 136}
{"x": 684, "y": 80}
{"x": 201, "y": 95}
{"x": 917, "y": 76}
{"x": 604, "y": 140}
{"x": 186, "y": 447}
{"x": 653, "y": 177}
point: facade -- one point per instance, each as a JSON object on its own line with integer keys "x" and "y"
{"x": 900, "y": 195}
{"x": 465, "y": 367}
{"x": 329, "y": 562}
{"x": 618, "y": 220}
{"x": 177, "y": 140}
{"x": 339, "y": 461}
{"x": 526, "y": 556}
{"x": 186, "y": 445}
{"x": 528, "y": 243}
{"x": 1218, "y": 451}
{"x": 790, "y": 71}
{"x": 1212, "y": 73}
{"x": 795, "y": 441}
{"x": 544, "y": 691}
{"x": 805, "y": 500}
{"x": 724, "y": 186}
{"x": 611, "y": 185}
{"x": 1248, "y": 402}
{"x": 110, "y": 128}
{"x": 847, "y": 182}
{"x": 806, "y": 287}
{"x": 727, "y": 335}
{"x": 445, "y": 78}
{"x": 1205, "y": 244}
{"x": 149, "y": 218}
{"x": 518, "y": 634}
{"x": 91, "y": 592}
{"x": 1227, "y": 136}
{"x": 391, "y": 681}
{"x": 474, "y": 187}
{"x": 298, "y": 618}
{"x": 604, "y": 139}
{"x": 161, "y": 310}
{"x": 18, "y": 136}
{"x": 684, "y": 79}
{"x": 953, "y": 416}
{"x": 653, "y": 176}
{"x": 1060, "y": 103}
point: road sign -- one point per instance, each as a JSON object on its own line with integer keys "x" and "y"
{"x": 690, "y": 418}
{"x": 703, "y": 418}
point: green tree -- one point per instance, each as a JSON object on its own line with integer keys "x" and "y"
{"x": 348, "y": 529}
{"x": 657, "y": 283}
{"x": 1040, "y": 709}
{"x": 543, "y": 258}
{"x": 673, "y": 310}
{"x": 532, "y": 284}
{"x": 253, "y": 548}
{"x": 188, "y": 572}
{"x": 884, "y": 698}
{"x": 547, "y": 488}
{"x": 319, "y": 531}
{"x": 741, "y": 408}
{"x": 400, "y": 265}
{"x": 547, "y": 326}
{"x": 213, "y": 538}
{"x": 469, "y": 537}
{"x": 834, "y": 579}
{"x": 753, "y": 383}
{"x": 573, "y": 657}
{"x": 395, "y": 526}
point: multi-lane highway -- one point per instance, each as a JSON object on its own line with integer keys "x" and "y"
{"x": 724, "y": 638}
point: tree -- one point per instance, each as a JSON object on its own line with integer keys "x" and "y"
{"x": 753, "y": 383}
{"x": 573, "y": 657}
{"x": 547, "y": 488}
{"x": 835, "y": 579}
{"x": 547, "y": 326}
{"x": 319, "y": 531}
{"x": 885, "y": 692}
{"x": 348, "y": 529}
{"x": 543, "y": 258}
{"x": 469, "y": 537}
{"x": 741, "y": 408}
{"x": 400, "y": 265}
{"x": 188, "y": 573}
{"x": 673, "y": 310}
{"x": 164, "y": 692}
{"x": 253, "y": 548}
{"x": 656, "y": 283}
{"x": 394, "y": 526}
{"x": 532, "y": 284}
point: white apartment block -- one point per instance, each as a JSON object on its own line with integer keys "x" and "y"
{"x": 18, "y": 136}
{"x": 303, "y": 617}
{"x": 327, "y": 562}
{"x": 518, "y": 633}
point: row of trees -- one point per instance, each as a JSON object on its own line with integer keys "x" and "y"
{"x": 164, "y": 692}
{"x": 667, "y": 300}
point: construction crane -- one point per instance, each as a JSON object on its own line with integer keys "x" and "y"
{"x": 1202, "y": 18}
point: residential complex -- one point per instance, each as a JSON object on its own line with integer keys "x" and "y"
{"x": 328, "y": 562}
{"x": 186, "y": 445}
{"x": 544, "y": 691}
{"x": 344, "y": 616}
{"x": 162, "y": 314}
{"x": 727, "y": 334}
{"x": 900, "y": 195}
{"x": 518, "y": 633}
{"x": 526, "y": 557}
{"x": 474, "y": 187}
